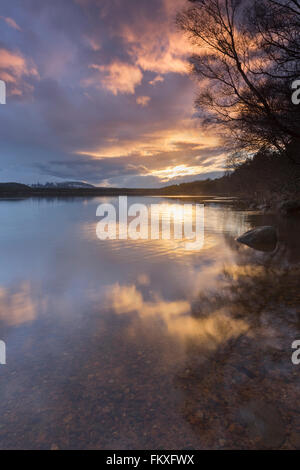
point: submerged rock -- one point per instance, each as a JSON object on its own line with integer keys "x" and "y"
{"x": 263, "y": 423}
{"x": 260, "y": 238}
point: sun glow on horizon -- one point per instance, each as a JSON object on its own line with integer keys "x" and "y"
{"x": 170, "y": 173}
{"x": 155, "y": 151}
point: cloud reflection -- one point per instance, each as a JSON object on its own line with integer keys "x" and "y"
{"x": 17, "y": 304}
{"x": 208, "y": 332}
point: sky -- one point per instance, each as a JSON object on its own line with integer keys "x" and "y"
{"x": 100, "y": 91}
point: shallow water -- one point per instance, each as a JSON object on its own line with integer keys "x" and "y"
{"x": 124, "y": 344}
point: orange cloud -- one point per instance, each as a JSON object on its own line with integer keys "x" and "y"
{"x": 157, "y": 50}
{"x": 13, "y": 61}
{"x": 156, "y": 47}
{"x": 117, "y": 77}
{"x": 156, "y": 79}
{"x": 163, "y": 140}
{"x": 143, "y": 100}
{"x": 7, "y": 77}
{"x": 169, "y": 173}
{"x": 13, "y": 67}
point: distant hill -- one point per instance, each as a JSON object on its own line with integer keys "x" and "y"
{"x": 65, "y": 184}
{"x": 14, "y": 187}
{"x": 75, "y": 188}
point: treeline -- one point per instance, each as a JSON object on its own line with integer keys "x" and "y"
{"x": 265, "y": 177}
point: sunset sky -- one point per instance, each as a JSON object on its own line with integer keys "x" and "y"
{"x": 99, "y": 91}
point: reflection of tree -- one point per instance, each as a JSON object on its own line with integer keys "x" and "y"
{"x": 244, "y": 394}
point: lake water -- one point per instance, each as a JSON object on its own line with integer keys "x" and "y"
{"x": 123, "y": 344}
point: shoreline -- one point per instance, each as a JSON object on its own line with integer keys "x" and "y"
{"x": 28, "y": 192}
{"x": 266, "y": 202}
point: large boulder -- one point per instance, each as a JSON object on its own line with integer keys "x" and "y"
{"x": 289, "y": 207}
{"x": 260, "y": 238}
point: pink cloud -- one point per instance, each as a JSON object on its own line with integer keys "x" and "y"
{"x": 156, "y": 79}
{"x": 143, "y": 100}
{"x": 14, "y": 69}
{"x": 117, "y": 77}
{"x": 11, "y": 23}
{"x": 152, "y": 46}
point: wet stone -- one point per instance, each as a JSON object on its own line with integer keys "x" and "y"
{"x": 263, "y": 423}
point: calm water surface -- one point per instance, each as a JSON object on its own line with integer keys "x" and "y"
{"x": 143, "y": 344}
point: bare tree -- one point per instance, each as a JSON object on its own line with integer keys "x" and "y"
{"x": 246, "y": 59}
{"x": 276, "y": 24}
